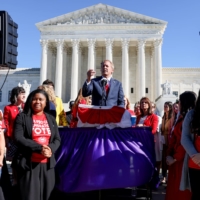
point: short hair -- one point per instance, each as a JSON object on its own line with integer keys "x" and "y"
{"x": 187, "y": 101}
{"x": 15, "y": 92}
{"x": 112, "y": 65}
{"x": 48, "y": 82}
{"x": 149, "y": 103}
{"x": 71, "y": 103}
{"x": 27, "y": 107}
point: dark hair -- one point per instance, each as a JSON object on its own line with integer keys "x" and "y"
{"x": 14, "y": 94}
{"x": 195, "y": 123}
{"x": 149, "y": 103}
{"x": 169, "y": 103}
{"x": 187, "y": 102}
{"x": 27, "y": 107}
{"x": 48, "y": 82}
{"x": 71, "y": 103}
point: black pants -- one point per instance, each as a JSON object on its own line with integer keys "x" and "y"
{"x": 195, "y": 183}
{"x": 38, "y": 183}
{"x": 164, "y": 164}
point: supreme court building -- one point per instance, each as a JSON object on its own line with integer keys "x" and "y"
{"x": 75, "y": 42}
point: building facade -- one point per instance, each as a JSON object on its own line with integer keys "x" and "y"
{"x": 81, "y": 40}
{"x": 75, "y": 42}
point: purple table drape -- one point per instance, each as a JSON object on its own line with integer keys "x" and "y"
{"x": 94, "y": 159}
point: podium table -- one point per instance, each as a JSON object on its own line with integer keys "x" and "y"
{"x": 95, "y": 159}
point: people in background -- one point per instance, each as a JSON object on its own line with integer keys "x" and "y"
{"x": 60, "y": 113}
{"x": 17, "y": 99}
{"x": 2, "y": 159}
{"x": 147, "y": 117}
{"x": 52, "y": 98}
{"x": 165, "y": 135}
{"x": 175, "y": 115}
{"x": 2, "y": 139}
{"x": 158, "y": 141}
{"x": 127, "y": 105}
{"x": 190, "y": 140}
{"x": 79, "y": 100}
{"x": 105, "y": 90}
{"x": 37, "y": 137}
{"x": 69, "y": 113}
{"x": 176, "y": 152}
{"x": 137, "y": 108}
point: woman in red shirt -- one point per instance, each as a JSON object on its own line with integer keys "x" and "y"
{"x": 147, "y": 117}
{"x": 37, "y": 137}
{"x": 176, "y": 152}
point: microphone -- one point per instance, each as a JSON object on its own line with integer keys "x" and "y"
{"x": 104, "y": 82}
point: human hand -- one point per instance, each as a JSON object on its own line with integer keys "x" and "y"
{"x": 170, "y": 160}
{"x": 196, "y": 158}
{"x": 90, "y": 74}
{"x": 139, "y": 125}
{"x": 46, "y": 151}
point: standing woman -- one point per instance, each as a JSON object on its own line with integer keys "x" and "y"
{"x": 37, "y": 137}
{"x": 175, "y": 115}
{"x": 17, "y": 99}
{"x": 191, "y": 142}
{"x": 176, "y": 152}
{"x": 147, "y": 117}
{"x": 166, "y": 119}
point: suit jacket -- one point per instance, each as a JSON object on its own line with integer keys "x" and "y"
{"x": 23, "y": 137}
{"x": 10, "y": 113}
{"x": 151, "y": 120}
{"x": 115, "y": 95}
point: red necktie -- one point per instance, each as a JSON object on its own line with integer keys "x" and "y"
{"x": 107, "y": 89}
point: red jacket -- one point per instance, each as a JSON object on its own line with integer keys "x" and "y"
{"x": 10, "y": 113}
{"x": 175, "y": 149}
{"x": 151, "y": 120}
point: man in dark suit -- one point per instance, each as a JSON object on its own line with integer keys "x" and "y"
{"x": 105, "y": 90}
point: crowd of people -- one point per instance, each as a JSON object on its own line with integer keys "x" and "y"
{"x": 29, "y": 131}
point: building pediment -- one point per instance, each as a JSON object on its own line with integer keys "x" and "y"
{"x": 103, "y": 15}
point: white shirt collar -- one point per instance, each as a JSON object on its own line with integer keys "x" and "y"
{"x": 107, "y": 78}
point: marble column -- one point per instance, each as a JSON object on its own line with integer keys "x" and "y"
{"x": 91, "y": 53}
{"x": 109, "y": 44}
{"x": 74, "y": 75}
{"x": 141, "y": 69}
{"x": 59, "y": 68}
{"x": 80, "y": 68}
{"x": 43, "y": 68}
{"x": 65, "y": 88}
{"x": 152, "y": 74}
{"x": 125, "y": 66}
{"x": 158, "y": 67}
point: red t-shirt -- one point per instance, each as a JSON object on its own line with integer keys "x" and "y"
{"x": 41, "y": 134}
{"x": 191, "y": 164}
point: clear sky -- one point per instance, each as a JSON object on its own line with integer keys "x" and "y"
{"x": 181, "y": 45}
